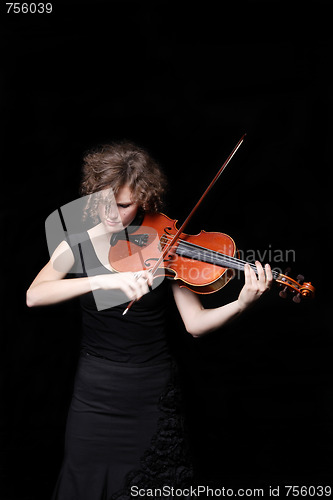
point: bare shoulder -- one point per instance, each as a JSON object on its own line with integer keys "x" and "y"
{"x": 62, "y": 259}
{"x": 59, "y": 265}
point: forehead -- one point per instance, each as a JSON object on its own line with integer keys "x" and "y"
{"x": 124, "y": 195}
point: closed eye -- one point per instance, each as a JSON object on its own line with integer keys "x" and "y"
{"x": 124, "y": 205}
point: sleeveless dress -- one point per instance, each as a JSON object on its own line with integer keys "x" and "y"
{"x": 125, "y": 427}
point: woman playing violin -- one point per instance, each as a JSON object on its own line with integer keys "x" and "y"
{"x": 124, "y": 425}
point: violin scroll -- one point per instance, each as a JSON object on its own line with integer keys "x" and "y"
{"x": 300, "y": 288}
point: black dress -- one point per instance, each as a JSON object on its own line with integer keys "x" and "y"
{"x": 125, "y": 426}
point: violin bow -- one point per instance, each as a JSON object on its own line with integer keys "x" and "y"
{"x": 190, "y": 215}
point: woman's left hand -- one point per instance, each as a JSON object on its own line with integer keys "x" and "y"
{"x": 255, "y": 286}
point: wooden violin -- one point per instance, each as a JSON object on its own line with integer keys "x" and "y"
{"x": 203, "y": 263}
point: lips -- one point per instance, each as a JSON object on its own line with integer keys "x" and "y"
{"x": 112, "y": 223}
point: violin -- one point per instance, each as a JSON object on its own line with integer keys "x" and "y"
{"x": 203, "y": 263}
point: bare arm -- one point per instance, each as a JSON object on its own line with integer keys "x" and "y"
{"x": 199, "y": 321}
{"x": 50, "y": 287}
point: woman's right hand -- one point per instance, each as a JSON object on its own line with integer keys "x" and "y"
{"x": 133, "y": 285}
{"x": 51, "y": 287}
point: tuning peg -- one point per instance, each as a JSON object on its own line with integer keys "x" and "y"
{"x": 283, "y": 293}
{"x": 298, "y": 296}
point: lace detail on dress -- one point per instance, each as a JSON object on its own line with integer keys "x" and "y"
{"x": 167, "y": 462}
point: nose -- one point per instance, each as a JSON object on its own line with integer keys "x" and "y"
{"x": 111, "y": 211}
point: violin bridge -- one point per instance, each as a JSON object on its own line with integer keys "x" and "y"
{"x": 163, "y": 240}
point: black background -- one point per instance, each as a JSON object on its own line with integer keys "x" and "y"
{"x": 185, "y": 81}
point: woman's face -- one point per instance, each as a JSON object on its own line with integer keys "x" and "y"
{"x": 117, "y": 212}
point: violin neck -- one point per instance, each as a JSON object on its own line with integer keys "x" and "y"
{"x": 196, "y": 252}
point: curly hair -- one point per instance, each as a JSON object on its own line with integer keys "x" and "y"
{"x": 116, "y": 165}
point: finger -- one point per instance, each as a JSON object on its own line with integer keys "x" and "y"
{"x": 142, "y": 280}
{"x": 261, "y": 272}
{"x": 269, "y": 275}
{"x": 131, "y": 286}
{"x": 142, "y": 285}
{"x": 253, "y": 277}
{"x": 148, "y": 277}
{"x": 250, "y": 276}
{"x": 247, "y": 274}
{"x": 129, "y": 291}
{"x": 261, "y": 283}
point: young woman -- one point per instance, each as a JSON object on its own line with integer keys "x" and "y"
{"x": 124, "y": 426}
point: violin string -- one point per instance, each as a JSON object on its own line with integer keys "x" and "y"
{"x": 223, "y": 259}
{"x": 214, "y": 255}
{"x": 217, "y": 258}
{"x": 211, "y": 253}
{"x": 207, "y": 252}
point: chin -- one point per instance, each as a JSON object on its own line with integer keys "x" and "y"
{"x": 113, "y": 227}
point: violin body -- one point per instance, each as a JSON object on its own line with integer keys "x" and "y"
{"x": 184, "y": 261}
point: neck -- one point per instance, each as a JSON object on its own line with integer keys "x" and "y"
{"x": 196, "y": 252}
